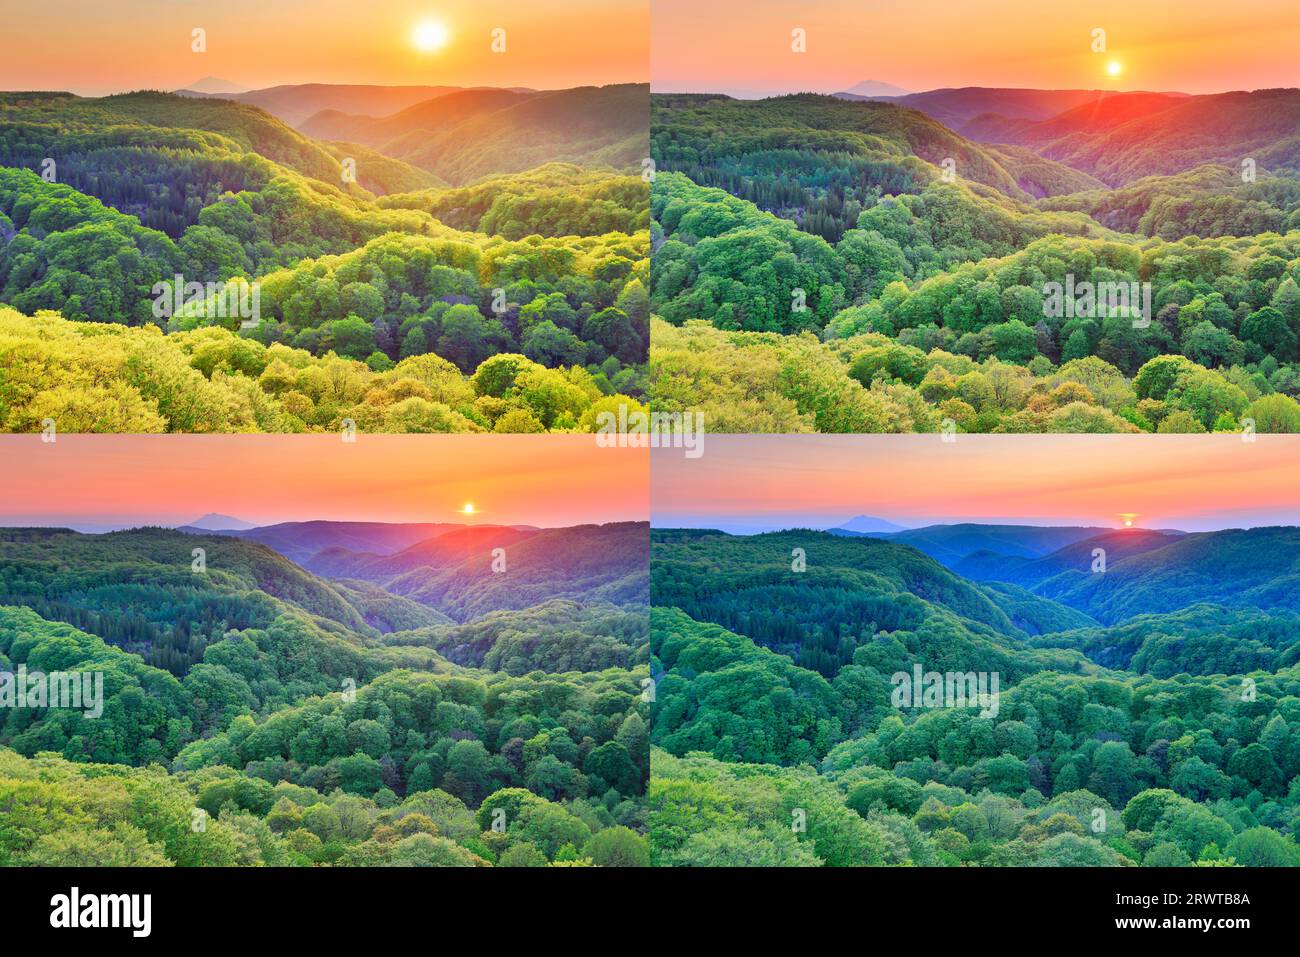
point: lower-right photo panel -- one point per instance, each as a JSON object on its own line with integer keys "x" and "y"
{"x": 965, "y": 650}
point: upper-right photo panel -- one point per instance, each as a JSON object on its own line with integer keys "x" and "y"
{"x": 919, "y": 216}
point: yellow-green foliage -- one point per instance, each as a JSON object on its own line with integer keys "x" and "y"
{"x": 91, "y": 377}
{"x": 766, "y": 382}
{"x": 769, "y": 382}
{"x": 558, "y": 199}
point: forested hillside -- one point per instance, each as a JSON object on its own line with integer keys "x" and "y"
{"x": 951, "y": 544}
{"x": 986, "y": 564}
{"x": 299, "y": 541}
{"x": 827, "y": 264}
{"x": 956, "y": 108}
{"x": 458, "y": 136}
{"x": 313, "y": 721}
{"x": 452, "y": 571}
{"x": 297, "y": 102}
{"x": 345, "y": 252}
{"x": 1137, "y": 721}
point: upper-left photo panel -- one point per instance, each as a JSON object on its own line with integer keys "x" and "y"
{"x": 323, "y": 216}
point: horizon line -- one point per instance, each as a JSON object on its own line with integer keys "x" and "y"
{"x": 767, "y": 95}
{"x": 177, "y": 91}
{"x": 729, "y": 527}
{"x": 109, "y": 526}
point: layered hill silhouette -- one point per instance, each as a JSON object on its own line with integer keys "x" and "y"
{"x": 159, "y": 592}
{"x": 558, "y": 634}
{"x": 1125, "y": 137}
{"x": 1254, "y": 567}
{"x": 463, "y": 135}
{"x": 424, "y": 116}
{"x": 1101, "y": 114}
{"x": 1119, "y": 137}
{"x": 866, "y": 525}
{"x": 252, "y": 128}
{"x": 1166, "y": 602}
{"x": 449, "y": 568}
{"x": 442, "y": 547}
{"x": 854, "y": 599}
{"x": 1145, "y": 570}
{"x": 837, "y": 563}
{"x": 955, "y": 107}
{"x": 299, "y": 541}
{"x": 986, "y": 564}
{"x": 950, "y": 544}
{"x": 874, "y": 88}
{"x": 297, "y": 102}
{"x": 428, "y": 136}
{"x": 165, "y": 593}
{"x": 455, "y": 572}
{"x": 216, "y": 522}
{"x": 1101, "y": 137}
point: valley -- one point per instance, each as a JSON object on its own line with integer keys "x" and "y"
{"x": 1139, "y": 697}
{"x": 850, "y": 263}
{"x": 328, "y": 693}
{"x": 1066, "y": 651}
{"x": 406, "y": 273}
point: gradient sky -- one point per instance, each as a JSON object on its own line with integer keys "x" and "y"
{"x": 94, "y": 481}
{"x": 742, "y": 47}
{"x": 1193, "y": 482}
{"x": 97, "y": 48}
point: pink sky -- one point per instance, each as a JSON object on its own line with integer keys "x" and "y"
{"x": 1192, "y": 482}
{"x": 101, "y": 480}
{"x": 744, "y": 46}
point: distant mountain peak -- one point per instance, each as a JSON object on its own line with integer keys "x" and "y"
{"x": 876, "y": 88}
{"x": 215, "y": 522}
{"x": 215, "y": 86}
{"x": 869, "y": 523}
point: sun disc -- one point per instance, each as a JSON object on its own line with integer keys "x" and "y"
{"x": 429, "y": 35}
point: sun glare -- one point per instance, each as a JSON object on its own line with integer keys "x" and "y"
{"x": 1114, "y": 68}
{"x": 468, "y": 509}
{"x": 429, "y": 35}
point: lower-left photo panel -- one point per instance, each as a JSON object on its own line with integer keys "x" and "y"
{"x": 305, "y": 651}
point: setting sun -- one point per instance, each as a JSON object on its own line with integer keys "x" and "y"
{"x": 1114, "y": 68}
{"x": 430, "y": 35}
{"x": 468, "y": 509}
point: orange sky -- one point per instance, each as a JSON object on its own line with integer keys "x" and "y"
{"x": 1187, "y": 482}
{"x": 1193, "y": 482}
{"x": 1192, "y": 46}
{"x": 95, "y": 48}
{"x": 93, "y": 481}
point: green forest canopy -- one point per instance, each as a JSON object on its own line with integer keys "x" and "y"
{"x": 551, "y": 264}
{"x": 835, "y": 223}
{"x": 225, "y": 702}
{"x": 773, "y": 705}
